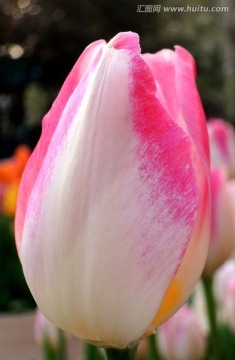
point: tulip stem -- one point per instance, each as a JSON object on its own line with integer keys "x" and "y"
{"x": 48, "y": 351}
{"x": 62, "y": 349}
{"x": 153, "y": 352}
{"x": 211, "y": 312}
{"x": 92, "y": 352}
{"x": 117, "y": 354}
{"x": 51, "y": 353}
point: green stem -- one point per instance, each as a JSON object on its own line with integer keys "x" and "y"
{"x": 61, "y": 353}
{"x": 153, "y": 352}
{"x": 48, "y": 351}
{"x": 91, "y": 352}
{"x": 211, "y": 311}
{"x": 126, "y": 354}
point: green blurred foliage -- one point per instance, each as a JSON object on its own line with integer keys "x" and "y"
{"x": 14, "y": 293}
{"x": 226, "y": 344}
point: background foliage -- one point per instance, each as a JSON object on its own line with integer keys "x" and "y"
{"x": 53, "y": 34}
{"x": 15, "y": 295}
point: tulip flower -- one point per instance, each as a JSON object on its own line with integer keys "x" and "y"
{"x": 113, "y": 212}
{"x": 231, "y": 189}
{"x": 222, "y": 237}
{"x": 221, "y": 246}
{"x": 199, "y": 306}
{"x": 11, "y": 169}
{"x": 229, "y": 302}
{"x": 222, "y": 276}
{"x": 51, "y": 339}
{"x": 45, "y": 330}
{"x": 222, "y": 144}
{"x": 183, "y": 337}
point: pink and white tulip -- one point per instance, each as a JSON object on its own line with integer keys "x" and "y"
{"x": 183, "y": 337}
{"x": 222, "y": 237}
{"x": 222, "y": 144}
{"x": 113, "y": 213}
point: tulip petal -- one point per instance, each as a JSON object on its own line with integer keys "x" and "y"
{"x": 185, "y": 278}
{"x": 113, "y": 207}
{"x": 174, "y": 73}
{"x": 190, "y": 102}
{"x": 162, "y": 65}
{"x": 127, "y": 40}
{"x": 50, "y": 123}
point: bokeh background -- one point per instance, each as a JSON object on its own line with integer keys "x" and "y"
{"x": 41, "y": 39}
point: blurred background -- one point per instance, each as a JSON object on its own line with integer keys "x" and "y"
{"x": 40, "y": 41}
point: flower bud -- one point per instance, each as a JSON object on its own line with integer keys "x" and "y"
{"x": 229, "y": 303}
{"x": 113, "y": 212}
{"x": 222, "y": 277}
{"x": 222, "y": 145}
{"x": 224, "y": 289}
{"x": 45, "y": 330}
{"x": 222, "y": 237}
{"x": 182, "y": 337}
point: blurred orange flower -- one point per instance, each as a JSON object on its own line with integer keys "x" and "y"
{"x": 11, "y": 170}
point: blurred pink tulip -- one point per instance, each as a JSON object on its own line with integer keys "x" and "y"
{"x": 45, "y": 330}
{"x": 222, "y": 144}
{"x": 231, "y": 189}
{"x": 183, "y": 337}
{"x": 229, "y": 302}
{"x": 222, "y": 277}
{"x": 113, "y": 213}
{"x": 222, "y": 237}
